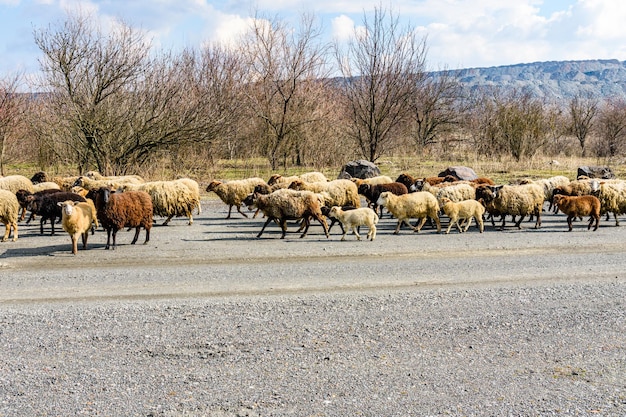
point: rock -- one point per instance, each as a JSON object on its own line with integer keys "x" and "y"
{"x": 359, "y": 169}
{"x": 595, "y": 172}
{"x": 460, "y": 172}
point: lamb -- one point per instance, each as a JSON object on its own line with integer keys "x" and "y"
{"x": 169, "y": 198}
{"x": 283, "y": 182}
{"x": 77, "y": 220}
{"x": 420, "y": 205}
{"x": 578, "y": 206}
{"x": 333, "y": 220}
{"x": 234, "y": 192}
{"x": 352, "y": 219}
{"x": 463, "y": 210}
{"x": 284, "y": 204}
{"x": 127, "y": 209}
{"x": 16, "y": 182}
{"x": 9, "y": 212}
{"x": 380, "y": 179}
{"x": 371, "y": 192}
{"x": 46, "y": 206}
{"x": 514, "y": 200}
{"x": 340, "y": 192}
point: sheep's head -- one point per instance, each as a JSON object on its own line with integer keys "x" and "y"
{"x": 250, "y": 199}
{"x": 274, "y": 179}
{"x": 213, "y": 185}
{"x": 67, "y": 206}
{"x": 80, "y": 182}
{"x": 296, "y": 185}
{"x": 485, "y": 192}
{"x": 262, "y": 189}
{"x": 334, "y": 211}
{"x": 364, "y": 188}
{"x": 418, "y": 185}
{"x": 383, "y": 198}
{"x": 38, "y": 177}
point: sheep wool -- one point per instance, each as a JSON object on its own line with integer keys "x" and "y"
{"x": 16, "y": 182}
{"x": 234, "y": 192}
{"x": 9, "y": 213}
{"x": 417, "y": 205}
{"x": 77, "y": 220}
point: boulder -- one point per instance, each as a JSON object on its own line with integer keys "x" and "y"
{"x": 595, "y": 172}
{"x": 460, "y": 172}
{"x": 359, "y": 169}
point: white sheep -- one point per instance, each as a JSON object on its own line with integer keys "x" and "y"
{"x": 352, "y": 219}
{"x": 612, "y": 196}
{"x": 48, "y": 185}
{"x": 339, "y": 192}
{"x": 283, "y": 182}
{"x": 463, "y": 210}
{"x": 14, "y": 183}
{"x": 418, "y": 205}
{"x": 234, "y": 192}
{"x": 194, "y": 187}
{"x": 513, "y": 200}
{"x": 169, "y": 198}
{"x": 379, "y": 179}
{"x": 9, "y": 213}
{"x": 455, "y": 191}
{"x": 129, "y": 179}
{"x": 77, "y": 220}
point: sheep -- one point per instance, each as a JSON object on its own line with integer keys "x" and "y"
{"x": 234, "y": 192}
{"x": 132, "y": 179}
{"x": 283, "y": 182}
{"x": 77, "y": 220}
{"x": 351, "y": 219}
{"x": 22, "y": 198}
{"x": 514, "y": 200}
{"x": 9, "y": 212}
{"x": 420, "y": 205}
{"x": 456, "y": 191}
{"x": 16, "y": 182}
{"x": 285, "y": 204}
{"x": 380, "y": 179}
{"x": 578, "y": 206}
{"x": 549, "y": 185}
{"x": 45, "y": 205}
{"x": 463, "y": 210}
{"x": 333, "y": 220}
{"x": 340, "y": 192}
{"x": 194, "y": 187}
{"x": 612, "y": 196}
{"x": 371, "y": 192}
{"x": 127, "y": 209}
{"x": 169, "y": 198}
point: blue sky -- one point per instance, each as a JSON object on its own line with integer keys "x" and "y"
{"x": 460, "y": 34}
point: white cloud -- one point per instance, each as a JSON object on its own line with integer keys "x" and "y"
{"x": 342, "y": 28}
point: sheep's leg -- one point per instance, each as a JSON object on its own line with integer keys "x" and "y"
{"x": 283, "y": 226}
{"x": 346, "y": 230}
{"x": 518, "y": 224}
{"x": 269, "y": 219}
{"x": 165, "y": 223}
{"x": 437, "y": 223}
{"x": 597, "y": 223}
{"x": 23, "y": 215}
{"x": 85, "y": 235}
{"x": 616, "y": 219}
{"x": 137, "y": 229}
{"x": 305, "y": 223}
{"x": 421, "y": 224}
{"x": 450, "y": 224}
{"x": 114, "y": 235}
{"x": 147, "y": 236}
{"x": 372, "y": 232}
{"x": 7, "y": 232}
{"x": 241, "y": 212}
{"x": 322, "y": 221}
{"x": 358, "y": 236}
{"x": 569, "y": 222}
{"x": 538, "y": 214}
{"x": 190, "y": 222}
{"x": 108, "y": 245}
{"x": 395, "y": 232}
{"x": 74, "y": 243}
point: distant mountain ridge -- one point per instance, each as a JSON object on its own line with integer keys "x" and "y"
{"x": 553, "y": 80}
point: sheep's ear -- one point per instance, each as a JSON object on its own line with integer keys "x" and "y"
{"x": 60, "y": 204}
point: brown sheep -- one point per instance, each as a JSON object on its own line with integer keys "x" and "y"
{"x": 127, "y": 209}
{"x": 372, "y": 192}
{"x": 578, "y": 206}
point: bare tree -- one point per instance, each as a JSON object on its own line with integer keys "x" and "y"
{"x": 12, "y": 105}
{"x": 382, "y": 67}
{"x": 437, "y": 108}
{"x": 611, "y": 127}
{"x": 284, "y": 66}
{"x": 582, "y": 111}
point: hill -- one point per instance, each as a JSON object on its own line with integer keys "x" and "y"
{"x": 553, "y": 80}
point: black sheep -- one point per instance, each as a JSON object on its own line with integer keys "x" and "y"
{"x": 22, "y": 198}
{"x": 373, "y": 191}
{"x": 46, "y": 206}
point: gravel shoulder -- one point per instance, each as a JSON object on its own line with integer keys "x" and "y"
{"x": 208, "y": 320}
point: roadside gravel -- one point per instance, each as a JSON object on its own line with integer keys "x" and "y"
{"x": 209, "y": 321}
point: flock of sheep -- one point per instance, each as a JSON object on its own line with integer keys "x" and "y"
{"x": 313, "y": 196}
{"x": 86, "y": 202}
{"x": 92, "y": 200}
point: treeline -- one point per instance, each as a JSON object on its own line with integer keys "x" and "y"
{"x": 110, "y": 101}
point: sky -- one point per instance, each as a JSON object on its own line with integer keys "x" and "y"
{"x": 459, "y": 33}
